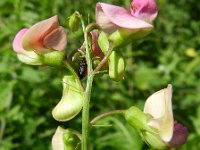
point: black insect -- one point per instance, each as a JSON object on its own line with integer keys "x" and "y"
{"x": 82, "y": 71}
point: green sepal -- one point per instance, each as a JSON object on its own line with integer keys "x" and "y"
{"x": 116, "y": 66}
{"x": 103, "y": 42}
{"x": 153, "y": 140}
{"x": 54, "y": 58}
{"x": 122, "y": 37}
{"x": 71, "y": 141}
{"x": 65, "y": 139}
{"x": 139, "y": 120}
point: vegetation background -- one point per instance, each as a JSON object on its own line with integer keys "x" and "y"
{"x": 170, "y": 54}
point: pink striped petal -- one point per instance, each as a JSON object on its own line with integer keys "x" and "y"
{"x": 144, "y": 9}
{"x": 56, "y": 39}
{"x": 17, "y": 42}
{"x": 33, "y": 39}
{"x": 119, "y": 16}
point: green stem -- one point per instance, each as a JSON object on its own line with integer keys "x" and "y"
{"x": 86, "y": 103}
{"x": 114, "y": 112}
{"x": 105, "y": 59}
{"x": 93, "y": 26}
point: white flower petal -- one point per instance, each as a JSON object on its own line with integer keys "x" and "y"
{"x": 29, "y": 57}
{"x": 159, "y": 105}
{"x": 57, "y": 140}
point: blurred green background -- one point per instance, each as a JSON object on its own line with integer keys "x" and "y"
{"x": 170, "y": 54}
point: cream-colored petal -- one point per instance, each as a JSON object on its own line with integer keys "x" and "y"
{"x": 57, "y": 140}
{"x": 159, "y": 105}
{"x": 29, "y": 57}
{"x": 71, "y": 102}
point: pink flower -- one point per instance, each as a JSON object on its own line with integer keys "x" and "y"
{"x": 43, "y": 37}
{"x": 112, "y": 18}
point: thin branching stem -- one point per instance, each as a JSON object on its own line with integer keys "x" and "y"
{"x": 105, "y": 59}
{"x": 106, "y": 114}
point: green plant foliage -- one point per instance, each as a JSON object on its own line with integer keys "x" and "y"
{"x": 171, "y": 54}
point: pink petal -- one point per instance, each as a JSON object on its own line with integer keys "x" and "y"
{"x": 56, "y": 39}
{"x": 121, "y": 17}
{"x": 144, "y": 9}
{"x": 33, "y": 39}
{"x": 104, "y": 21}
{"x": 95, "y": 46}
{"x": 17, "y": 42}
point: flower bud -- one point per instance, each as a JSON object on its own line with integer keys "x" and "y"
{"x": 116, "y": 66}
{"x": 74, "y": 21}
{"x": 72, "y": 100}
{"x": 65, "y": 139}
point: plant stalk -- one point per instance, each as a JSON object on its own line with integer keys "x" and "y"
{"x": 86, "y": 103}
{"x": 105, "y": 59}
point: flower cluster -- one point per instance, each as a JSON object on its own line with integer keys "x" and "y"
{"x": 44, "y": 44}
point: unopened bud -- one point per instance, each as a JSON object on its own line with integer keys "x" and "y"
{"x": 74, "y": 21}
{"x": 116, "y": 66}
